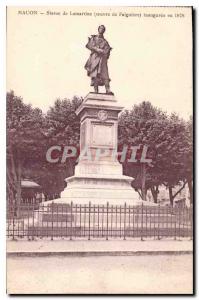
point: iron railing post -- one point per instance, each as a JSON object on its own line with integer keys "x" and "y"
{"x": 33, "y": 223}
{"x": 71, "y": 221}
{"x": 179, "y": 231}
{"x": 107, "y": 221}
{"x": 159, "y": 221}
{"x": 142, "y": 223}
{"x": 125, "y": 221}
{"x": 89, "y": 221}
{"x": 80, "y": 221}
{"x": 174, "y": 223}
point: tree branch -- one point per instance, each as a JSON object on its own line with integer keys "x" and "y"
{"x": 185, "y": 182}
{"x": 139, "y": 193}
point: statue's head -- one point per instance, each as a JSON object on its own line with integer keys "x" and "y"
{"x": 101, "y": 29}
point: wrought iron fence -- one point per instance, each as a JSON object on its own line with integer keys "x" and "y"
{"x": 91, "y": 221}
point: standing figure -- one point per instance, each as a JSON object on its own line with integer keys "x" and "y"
{"x": 96, "y": 65}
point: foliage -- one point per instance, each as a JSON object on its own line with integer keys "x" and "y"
{"x": 30, "y": 134}
{"x": 25, "y": 140}
{"x": 169, "y": 142}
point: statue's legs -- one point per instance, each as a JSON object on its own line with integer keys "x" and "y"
{"x": 106, "y": 83}
{"x": 107, "y": 87}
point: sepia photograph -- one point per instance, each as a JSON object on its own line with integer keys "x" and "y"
{"x": 99, "y": 150}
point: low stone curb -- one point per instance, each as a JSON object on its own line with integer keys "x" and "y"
{"x": 98, "y": 253}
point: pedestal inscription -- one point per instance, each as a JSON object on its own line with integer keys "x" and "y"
{"x": 102, "y": 135}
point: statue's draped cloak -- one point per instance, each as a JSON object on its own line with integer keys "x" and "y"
{"x": 96, "y": 65}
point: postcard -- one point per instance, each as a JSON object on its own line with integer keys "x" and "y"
{"x": 99, "y": 150}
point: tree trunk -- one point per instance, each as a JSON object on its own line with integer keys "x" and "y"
{"x": 154, "y": 192}
{"x": 190, "y": 190}
{"x": 170, "y": 195}
{"x": 12, "y": 175}
{"x": 18, "y": 195}
{"x": 11, "y": 187}
{"x": 143, "y": 180}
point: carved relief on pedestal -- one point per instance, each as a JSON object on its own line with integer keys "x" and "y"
{"x": 102, "y": 115}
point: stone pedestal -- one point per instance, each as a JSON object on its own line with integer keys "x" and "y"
{"x": 98, "y": 176}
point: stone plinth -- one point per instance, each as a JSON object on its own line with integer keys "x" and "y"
{"x": 98, "y": 176}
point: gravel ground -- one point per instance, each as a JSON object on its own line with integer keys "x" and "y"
{"x": 111, "y": 274}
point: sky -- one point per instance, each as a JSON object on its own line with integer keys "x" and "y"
{"x": 151, "y": 57}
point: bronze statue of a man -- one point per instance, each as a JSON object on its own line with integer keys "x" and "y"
{"x": 96, "y": 65}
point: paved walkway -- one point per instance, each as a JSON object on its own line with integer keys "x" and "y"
{"x": 99, "y": 247}
{"x": 144, "y": 274}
